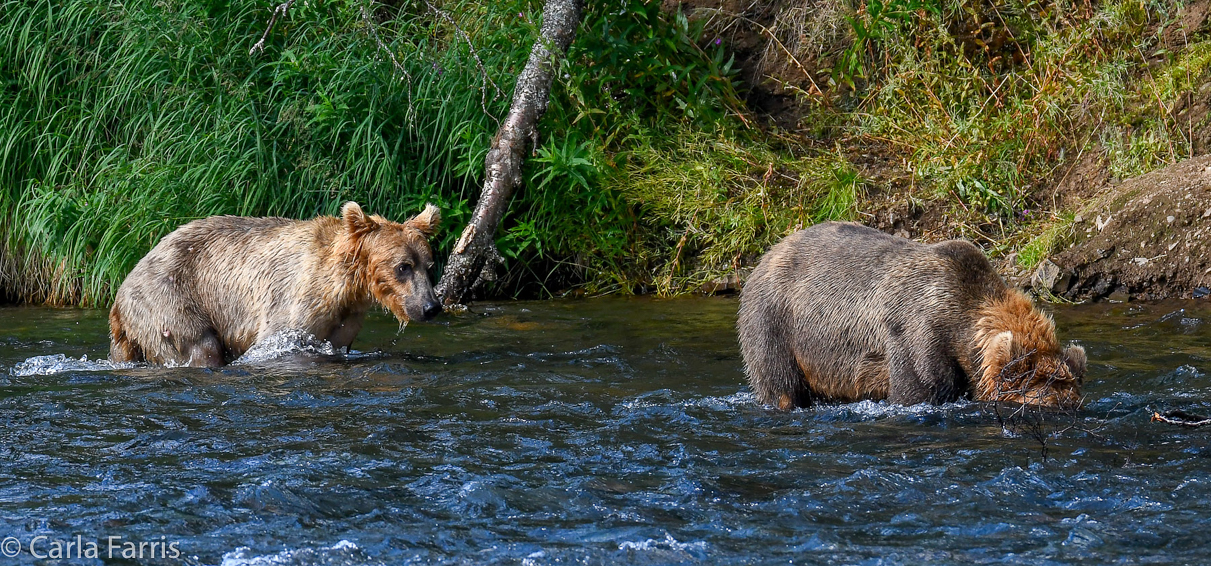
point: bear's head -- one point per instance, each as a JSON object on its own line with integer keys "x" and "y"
{"x": 1020, "y": 359}
{"x": 394, "y": 259}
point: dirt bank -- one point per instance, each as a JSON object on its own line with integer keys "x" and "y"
{"x": 1146, "y": 238}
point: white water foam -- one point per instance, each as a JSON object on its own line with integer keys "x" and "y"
{"x": 59, "y": 363}
{"x": 738, "y": 399}
{"x": 283, "y": 343}
{"x": 882, "y": 409}
{"x": 243, "y": 556}
{"x": 862, "y": 409}
{"x": 669, "y": 543}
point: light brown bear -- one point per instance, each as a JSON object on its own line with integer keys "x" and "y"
{"x": 840, "y": 312}
{"x": 213, "y": 287}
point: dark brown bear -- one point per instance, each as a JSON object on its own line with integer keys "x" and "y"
{"x": 212, "y": 288}
{"x": 841, "y": 312}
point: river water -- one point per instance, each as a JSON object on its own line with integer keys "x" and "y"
{"x": 587, "y": 432}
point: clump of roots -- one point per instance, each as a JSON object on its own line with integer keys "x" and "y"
{"x": 1016, "y": 403}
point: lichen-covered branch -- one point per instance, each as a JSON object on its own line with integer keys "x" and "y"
{"x": 502, "y": 166}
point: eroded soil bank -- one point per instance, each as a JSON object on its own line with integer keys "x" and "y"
{"x": 1146, "y": 238}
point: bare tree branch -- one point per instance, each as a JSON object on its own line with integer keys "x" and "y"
{"x": 502, "y": 166}
{"x": 485, "y": 78}
{"x": 1032, "y": 419}
{"x": 273, "y": 19}
{"x": 394, "y": 61}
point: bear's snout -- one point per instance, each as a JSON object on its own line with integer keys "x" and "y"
{"x": 432, "y": 308}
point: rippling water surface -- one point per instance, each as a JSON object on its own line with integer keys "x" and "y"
{"x": 589, "y": 432}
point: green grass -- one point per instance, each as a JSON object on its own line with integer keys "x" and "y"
{"x": 1047, "y": 242}
{"x": 123, "y": 121}
{"x": 715, "y": 202}
{"x": 987, "y": 131}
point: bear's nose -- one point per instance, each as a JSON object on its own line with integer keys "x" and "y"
{"x": 432, "y": 309}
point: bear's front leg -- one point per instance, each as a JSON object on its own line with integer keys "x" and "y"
{"x": 904, "y": 388}
{"x": 207, "y": 352}
{"x": 926, "y": 373}
{"x": 346, "y": 329}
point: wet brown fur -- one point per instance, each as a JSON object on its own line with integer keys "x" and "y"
{"x": 209, "y": 290}
{"x": 841, "y": 312}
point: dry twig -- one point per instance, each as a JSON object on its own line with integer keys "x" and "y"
{"x": 1032, "y": 420}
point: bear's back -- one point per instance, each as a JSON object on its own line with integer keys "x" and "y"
{"x": 828, "y": 262}
{"x": 228, "y": 245}
{"x": 866, "y": 268}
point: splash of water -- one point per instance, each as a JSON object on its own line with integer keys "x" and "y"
{"x": 668, "y": 543}
{"x": 287, "y": 342}
{"x": 59, "y": 363}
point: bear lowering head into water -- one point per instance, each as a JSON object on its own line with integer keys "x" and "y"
{"x": 212, "y": 288}
{"x": 841, "y": 312}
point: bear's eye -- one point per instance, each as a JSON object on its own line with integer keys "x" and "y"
{"x": 403, "y": 270}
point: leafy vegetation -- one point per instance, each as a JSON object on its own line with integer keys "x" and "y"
{"x": 718, "y": 202}
{"x": 123, "y": 121}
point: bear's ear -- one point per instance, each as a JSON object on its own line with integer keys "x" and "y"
{"x": 1074, "y": 357}
{"x": 426, "y": 222}
{"x": 356, "y": 221}
{"x": 996, "y": 353}
{"x": 1000, "y": 349}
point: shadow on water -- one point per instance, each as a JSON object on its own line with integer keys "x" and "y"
{"x": 594, "y": 432}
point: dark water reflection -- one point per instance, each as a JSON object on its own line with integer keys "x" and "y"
{"x": 591, "y": 432}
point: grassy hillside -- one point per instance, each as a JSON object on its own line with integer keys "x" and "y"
{"x": 121, "y": 121}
